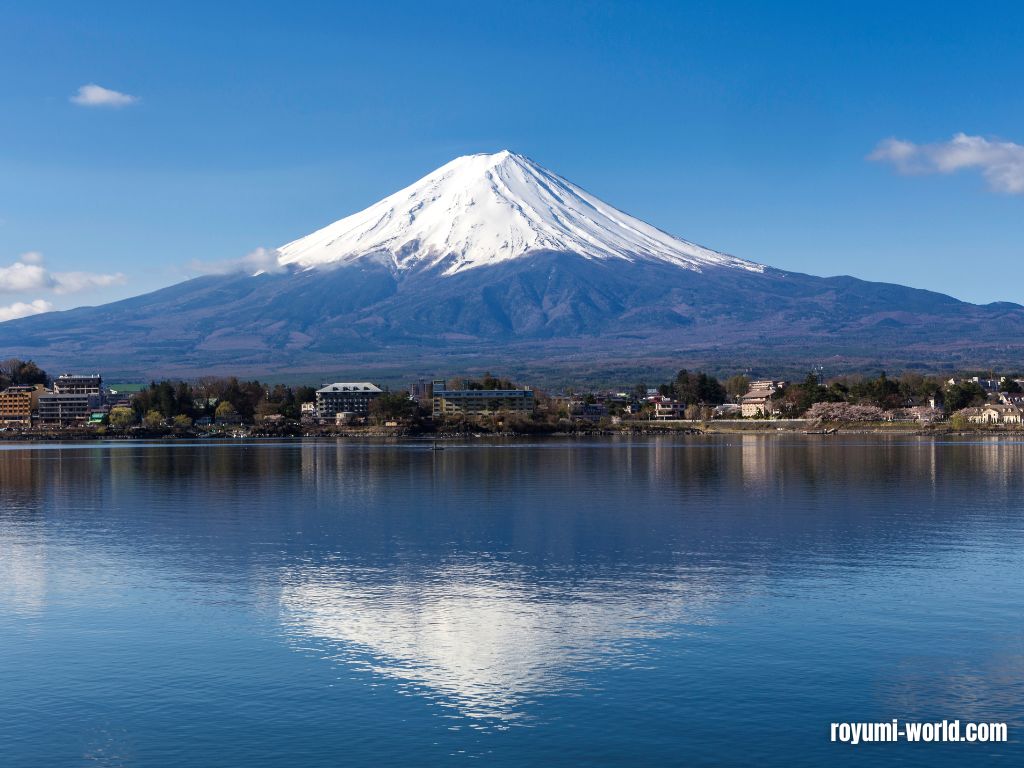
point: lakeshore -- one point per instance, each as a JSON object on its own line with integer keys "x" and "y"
{"x": 297, "y": 431}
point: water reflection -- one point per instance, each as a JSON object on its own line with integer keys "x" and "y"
{"x": 738, "y": 579}
{"x": 481, "y": 637}
{"x": 23, "y": 576}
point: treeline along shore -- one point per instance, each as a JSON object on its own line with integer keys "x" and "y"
{"x": 37, "y": 406}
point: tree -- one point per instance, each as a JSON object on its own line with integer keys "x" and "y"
{"x": 963, "y": 395}
{"x": 267, "y": 408}
{"x": 170, "y": 398}
{"x": 153, "y": 420}
{"x": 121, "y": 417}
{"x": 883, "y": 392}
{"x": 225, "y": 410}
{"x": 685, "y": 387}
{"x": 15, "y": 372}
{"x": 488, "y": 382}
{"x": 185, "y": 399}
{"x": 181, "y": 421}
{"x": 392, "y": 406}
{"x": 697, "y": 388}
{"x": 710, "y": 390}
{"x": 800, "y": 397}
{"x": 1010, "y": 386}
{"x": 845, "y": 412}
{"x": 305, "y": 395}
{"x": 959, "y": 421}
{"x": 737, "y": 386}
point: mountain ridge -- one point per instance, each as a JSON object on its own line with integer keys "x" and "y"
{"x": 418, "y": 293}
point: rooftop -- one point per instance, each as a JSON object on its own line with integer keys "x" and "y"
{"x": 350, "y": 386}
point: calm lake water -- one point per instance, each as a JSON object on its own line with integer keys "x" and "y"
{"x": 621, "y": 602}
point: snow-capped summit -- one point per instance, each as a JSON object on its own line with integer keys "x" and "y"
{"x": 485, "y": 209}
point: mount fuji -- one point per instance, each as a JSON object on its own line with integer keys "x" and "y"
{"x": 494, "y": 261}
{"x": 484, "y": 210}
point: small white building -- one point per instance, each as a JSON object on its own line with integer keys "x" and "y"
{"x": 667, "y": 409}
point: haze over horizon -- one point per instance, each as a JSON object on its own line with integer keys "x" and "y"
{"x": 869, "y": 141}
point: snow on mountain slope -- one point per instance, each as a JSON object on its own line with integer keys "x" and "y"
{"x": 486, "y": 209}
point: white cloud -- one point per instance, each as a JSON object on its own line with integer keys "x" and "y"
{"x": 23, "y": 309}
{"x": 24, "y": 277}
{"x": 29, "y": 274}
{"x": 1000, "y": 162}
{"x": 93, "y": 95}
{"x": 254, "y": 263}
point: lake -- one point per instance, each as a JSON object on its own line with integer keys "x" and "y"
{"x": 619, "y": 602}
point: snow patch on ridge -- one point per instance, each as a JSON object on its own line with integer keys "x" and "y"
{"x": 481, "y": 210}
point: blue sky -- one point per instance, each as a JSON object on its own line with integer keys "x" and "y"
{"x": 746, "y": 127}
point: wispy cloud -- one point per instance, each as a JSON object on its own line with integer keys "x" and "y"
{"x": 1000, "y": 162}
{"x": 29, "y": 273}
{"x": 93, "y": 95}
{"x": 76, "y": 282}
{"x": 24, "y": 309}
{"x": 254, "y": 263}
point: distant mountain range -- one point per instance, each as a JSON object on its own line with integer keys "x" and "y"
{"x": 491, "y": 261}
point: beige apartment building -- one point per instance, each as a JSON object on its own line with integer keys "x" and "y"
{"x": 17, "y": 404}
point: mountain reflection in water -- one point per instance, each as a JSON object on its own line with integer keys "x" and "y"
{"x": 620, "y": 601}
{"x": 482, "y": 638}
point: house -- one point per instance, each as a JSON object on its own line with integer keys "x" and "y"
{"x": 727, "y": 411}
{"x": 989, "y": 385}
{"x": 346, "y": 397}
{"x": 665, "y": 408}
{"x": 759, "y": 400}
{"x": 997, "y": 413}
{"x": 973, "y": 414}
{"x": 1012, "y": 398}
{"x": 479, "y": 402}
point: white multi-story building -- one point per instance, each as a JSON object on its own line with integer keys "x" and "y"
{"x": 78, "y": 384}
{"x": 346, "y": 397}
